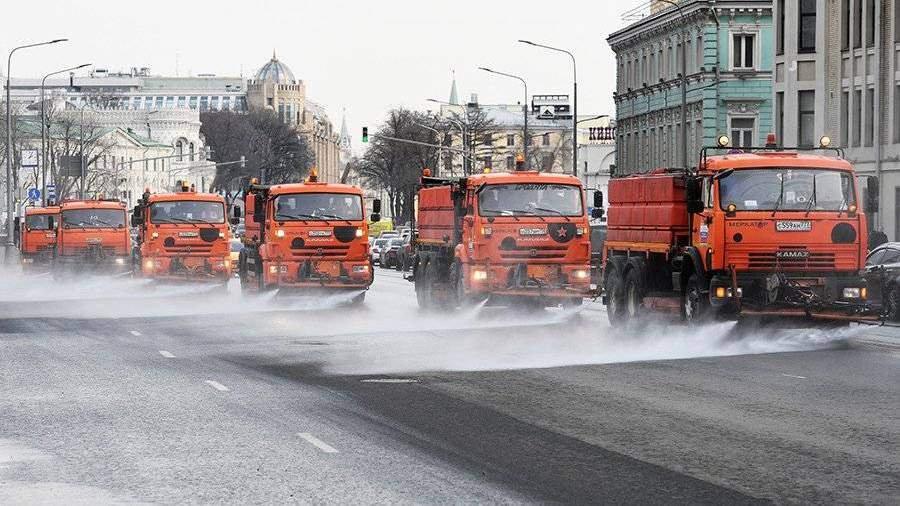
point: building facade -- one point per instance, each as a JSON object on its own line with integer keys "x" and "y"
{"x": 725, "y": 47}
{"x": 837, "y": 73}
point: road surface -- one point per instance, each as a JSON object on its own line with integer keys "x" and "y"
{"x": 113, "y": 391}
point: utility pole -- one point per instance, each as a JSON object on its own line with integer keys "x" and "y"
{"x": 526, "y": 140}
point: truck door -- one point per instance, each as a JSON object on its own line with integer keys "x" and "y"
{"x": 703, "y": 227}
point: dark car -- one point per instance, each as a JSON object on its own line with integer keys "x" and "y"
{"x": 883, "y": 275}
{"x": 405, "y": 254}
{"x": 598, "y": 238}
{"x": 390, "y": 256}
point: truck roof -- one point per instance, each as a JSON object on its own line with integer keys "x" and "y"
{"x": 186, "y": 196}
{"x": 41, "y": 210}
{"x": 774, "y": 159}
{"x": 521, "y": 177}
{"x": 92, "y": 204}
{"x": 282, "y": 189}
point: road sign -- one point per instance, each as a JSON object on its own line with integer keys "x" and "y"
{"x": 34, "y": 194}
{"x": 29, "y": 158}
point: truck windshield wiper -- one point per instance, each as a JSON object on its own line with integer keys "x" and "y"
{"x": 527, "y": 213}
{"x": 178, "y": 220}
{"x": 336, "y": 217}
{"x": 812, "y": 198}
{"x": 301, "y": 216}
{"x": 557, "y": 211}
{"x": 780, "y": 197}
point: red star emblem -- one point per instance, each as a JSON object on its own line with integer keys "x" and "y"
{"x": 561, "y": 232}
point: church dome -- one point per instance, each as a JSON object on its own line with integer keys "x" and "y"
{"x": 275, "y": 71}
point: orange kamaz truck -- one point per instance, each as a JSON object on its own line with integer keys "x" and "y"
{"x": 182, "y": 236}
{"x": 306, "y": 237}
{"x": 767, "y": 232}
{"x": 515, "y": 237}
{"x": 37, "y": 242}
{"x": 93, "y": 236}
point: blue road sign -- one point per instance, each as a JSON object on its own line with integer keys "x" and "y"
{"x": 34, "y": 194}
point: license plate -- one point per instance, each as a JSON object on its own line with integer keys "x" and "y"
{"x": 793, "y": 226}
{"x": 188, "y": 234}
{"x": 319, "y": 233}
{"x": 533, "y": 231}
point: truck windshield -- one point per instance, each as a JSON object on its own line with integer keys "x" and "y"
{"x": 37, "y": 222}
{"x": 787, "y": 189}
{"x": 529, "y": 199}
{"x": 318, "y": 207}
{"x": 93, "y": 218}
{"x": 187, "y": 211}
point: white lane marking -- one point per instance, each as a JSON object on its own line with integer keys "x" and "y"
{"x": 134, "y": 332}
{"x": 792, "y": 376}
{"x": 390, "y": 380}
{"x": 218, "y": 386}
{"x": 166, "y": 354}
{"x": 318, "y": 443}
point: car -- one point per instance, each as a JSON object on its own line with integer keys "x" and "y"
{"x": 375, "y": 251}
{"x": 235, "y": 247}
{"x": 238, "y": 230}
{"x": 389, "y": 234}
{"x": 405, "y": 254}
{"x": 883, "y": 276}
{"x": 598, "y": 238}
{"x": 390, "y": 256}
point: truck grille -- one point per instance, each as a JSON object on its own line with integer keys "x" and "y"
{"x": 521, "y": 252}
{"x": 195, "y": 249}
{"x": 92, "y": 251}
{"x": 320, "y": 252}
{"x": 770, "y": 260}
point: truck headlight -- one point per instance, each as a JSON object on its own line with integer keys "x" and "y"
{"x": 852, "y": 293}
{"x": 581, "y": 274}
{"x": 359, "y": 232}
{"x": 120, "y": 261}
{"x": 27, "y": 260}
{"x": 360, "y": 268}
{"x": 487, "y": 231}
{"x": 221, "y": 235}
{"x": 579, "y": 231}
{"x": 275, "y": 269}
{"x": 279, "y": 232}
{"x": 479, "y": 275}
{"x": 154, "y": 235}
{"x": 148, "y": 264}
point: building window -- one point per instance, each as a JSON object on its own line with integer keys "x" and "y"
{"x": 545, "y": 139}
{"x": 510, "y": 140}
{"x": 857, "y": 34}
{"x": 191, "y": 151}
{"x": 181, "y": 101}
{"x": 510, "y": 163}
{"x": 547, "y": 162}
{"x": 488, "y": 139}
{"x": 806, "y": 118}
{"x": 204, "y": 103}
{"x": 226, "y": 103}
{"x": 845, "y": 25}
{"x": 742, "y": 49}
{"x": 779, "y": 36}
{"x": 159, "y": 102}
{"x": 807, "y": 41}
{"x": 700, "y": 59}
{"x": 742, "y": 132}
{"x": 845, "y": 119}
{"x": 215, "y": 103}
{"x": 779, "y": 116}
{"x": 870, "y": 23}
{"x": 179, "y": 149}
{"x": 897, "y": 102}
{"x": 192, "y": 102}
{"x": 870, "y": 117}
{"x": 896, "y": 22}
{"x": 148, "y": 102}
{"x": 170, "y": 102}
{"x": 857, "y": 117}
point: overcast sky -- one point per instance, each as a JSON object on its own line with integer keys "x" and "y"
{"x": 363, "y": 56}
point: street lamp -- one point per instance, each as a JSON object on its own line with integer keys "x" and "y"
{"x": 574, "y": 100}
{"x": 524, "y": 110}
{"x": 683, "y": 82}
{"x": 10, "y": 208}
{"x": 44, "y": 131}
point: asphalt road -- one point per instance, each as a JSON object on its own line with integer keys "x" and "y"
{"x": 113, "y": 391}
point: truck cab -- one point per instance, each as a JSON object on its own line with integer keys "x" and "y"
{"x": 514, "y": 236}
{"x": 37, "y": 241}
{"x": 93, "y": 236}
{"x": 182, "y": 236}
{"x": 306, "y": 236}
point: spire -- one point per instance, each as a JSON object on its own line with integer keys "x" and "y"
{"x": 274, "y": 58}
{"x": 345, "y": 134}
{"x": 454, "y": 98}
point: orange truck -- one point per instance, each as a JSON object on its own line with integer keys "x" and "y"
{"x": 182, "y": 236}
{"x": 765, "y": 232}
{"x": 306, "y": 237}
{"x": 515, "y": 237}
{"x": 37, "y": 241}
{"x": 93, "y": 236}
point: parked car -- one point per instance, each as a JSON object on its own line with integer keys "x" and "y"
{"x": 389, "y": 234}
{"x": 883, "y": 276}
{"x": 375, "y": 251}
{"x": 390, "y": 257}
{"x": 405, "y": 255}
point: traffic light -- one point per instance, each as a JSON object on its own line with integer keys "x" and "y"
{"x": 365, "y": 134}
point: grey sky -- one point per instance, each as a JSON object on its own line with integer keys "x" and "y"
{"x": 362, "y": 56}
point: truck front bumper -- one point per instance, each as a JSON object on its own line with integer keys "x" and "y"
{"x": 106, "y": 265}
{"x": 549, "y": 281}
{"x": 173, "y": 268}
{"x": 831, "y": 297}
{"x": 337, "y": 274}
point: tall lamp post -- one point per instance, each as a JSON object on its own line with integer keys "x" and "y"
{"x": 10, "y": 208}
{"x": 683, "y": 82}
{"x": 525, "y": 140}
{"x": 574, "y": 100}
{"x": 44, "y": 131}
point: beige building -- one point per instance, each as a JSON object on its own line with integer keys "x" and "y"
{"x": 275, "y": 87}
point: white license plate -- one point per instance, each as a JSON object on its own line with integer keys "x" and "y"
{"x": 793, "y": 226}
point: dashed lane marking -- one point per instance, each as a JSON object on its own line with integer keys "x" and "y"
{"x": 166, "y": 354}
{"x": 318, "y": 443}
{"x": 134, "y": 332}
{"x": 218, "y": 386}
{"x": 390, "y": 380}
{"x": 792, "y": 376}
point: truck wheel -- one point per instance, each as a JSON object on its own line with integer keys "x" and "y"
{"x": 634, "y": 294}
{"x": 615, "y": 297}
{"x": 693, "y": 305}
{"x": 423, "y": 286}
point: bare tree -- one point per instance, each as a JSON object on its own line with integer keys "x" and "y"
{"x": 479, "y": 136}
{"x": 395, "y": 167}
{"x": 74, "y": 134}
{"x": 557, "y": 152}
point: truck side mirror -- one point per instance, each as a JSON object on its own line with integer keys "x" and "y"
{"x": 598, "y": 199}
{"x": 237, "y": 212}
{"x": 376, "y": 207}
{"x": 375, "y": 218}
{"x": 693, "y": 192}
{"x": 51, "y": 223}
{"x": 259, "y": 210}
{"x": 597, "y": 212}
{"x": 872, "y": 194}
{"x": 137, "y": 220}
